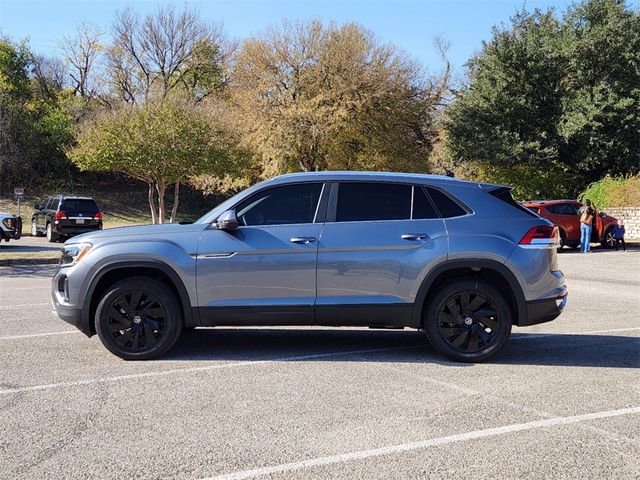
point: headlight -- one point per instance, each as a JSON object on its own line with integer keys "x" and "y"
{"x": 9, "y": 223}
{"x": 73, "y": 253}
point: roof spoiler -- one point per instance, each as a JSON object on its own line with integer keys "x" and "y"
{"x": 491, "y": 187}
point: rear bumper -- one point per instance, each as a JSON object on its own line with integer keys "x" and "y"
{"x": 73, "y": 230}
{"x": 541, "y": 311}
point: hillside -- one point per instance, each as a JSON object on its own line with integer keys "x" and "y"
{"x": 123, "y": 201}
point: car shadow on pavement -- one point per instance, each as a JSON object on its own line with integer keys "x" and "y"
{"x": 264, "y": 344}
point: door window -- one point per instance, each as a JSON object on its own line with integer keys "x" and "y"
{"x": 359, "y": 202}
{"x": 562, "y": 209}
{"x": 284, "y": 205}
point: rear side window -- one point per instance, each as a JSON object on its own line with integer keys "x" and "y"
{"x": 284, "y": 205}
{"x": 446, "y": 206}
{"x": 359, "y": 202}
{"x": 55, "y": 203}
{"x": 79, "y": 205}
{"x": 504, "y": 194}
{"x": 422, "y": 206}
{"x": 535, "y": 210}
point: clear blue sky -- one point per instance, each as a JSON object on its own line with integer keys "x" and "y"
{"x": 409, "y": 24}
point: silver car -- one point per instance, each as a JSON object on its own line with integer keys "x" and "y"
{"x": 461, "y": 260}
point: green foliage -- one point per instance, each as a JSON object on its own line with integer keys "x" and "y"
{"x": 548, "y": 95}
{"x": 614, "y": 192}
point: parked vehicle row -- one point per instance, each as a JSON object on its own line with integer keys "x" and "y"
{"x": 460, "y": 260}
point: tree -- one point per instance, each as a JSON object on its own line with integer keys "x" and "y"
{"x": 162, "y": 142}
{"x": 165, "y": 50}
{"x": 310, "y": 97}
{"x": 81, "y": 54}
{"x": 551, "y": 104}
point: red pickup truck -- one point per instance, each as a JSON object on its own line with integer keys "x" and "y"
{"x": 564, "y": 214}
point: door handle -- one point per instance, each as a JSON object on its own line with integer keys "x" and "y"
{"x": 303, "y": 240}
{"x": 414, "y": 236}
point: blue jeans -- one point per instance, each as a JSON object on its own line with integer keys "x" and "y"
{"x": 585, "y": 238}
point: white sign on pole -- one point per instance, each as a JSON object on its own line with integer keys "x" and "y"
{"x": 18, "y": 191}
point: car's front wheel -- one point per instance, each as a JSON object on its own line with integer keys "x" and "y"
{"x": 468, "y": 320}
{"x": 608, "y": 240}
{"x": 139, "y": 319}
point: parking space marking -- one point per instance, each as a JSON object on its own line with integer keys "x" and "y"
{"x": 162, "y": 373}
{"x": 528, "y": 336}
{"x": 412, "y": 446}
{"x": 10, "y": 307}
{"x": 31, "y": 335}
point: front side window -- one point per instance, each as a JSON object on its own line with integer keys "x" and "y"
{"x": 359, "y": 202}
{"x": 284, "y": 205}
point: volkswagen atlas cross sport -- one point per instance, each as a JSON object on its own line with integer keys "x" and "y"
{"x": 461, "y": 260}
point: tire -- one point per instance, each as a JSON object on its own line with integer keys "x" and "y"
{"x": 455, "y": 326}
{"x": 34, "y": 229}
{"x": 52, "y": 236}
{"x": 142, "y": 331}
{"x": 607, "y": 239}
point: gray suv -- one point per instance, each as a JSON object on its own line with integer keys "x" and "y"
{"x": 461, "y": 260}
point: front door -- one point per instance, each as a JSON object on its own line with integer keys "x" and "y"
{"x": 263, "y": 272}
{"x": 378, "y": 241}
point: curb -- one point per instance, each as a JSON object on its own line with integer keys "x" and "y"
{"x": 12, "y": 262}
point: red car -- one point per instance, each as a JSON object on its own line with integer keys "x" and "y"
{"x": 564, "y": 214}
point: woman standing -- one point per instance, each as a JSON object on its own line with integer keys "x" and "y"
{"x": 587, "y": 215}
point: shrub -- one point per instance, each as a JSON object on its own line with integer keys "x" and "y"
{"x": 614, "y": 192}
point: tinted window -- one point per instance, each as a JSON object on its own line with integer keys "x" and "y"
{"x": 562, "y": 209}
{"x": 77, "y": 205}
{"x": 280, "y": 205}
{"x": 446, "y": 206}
{"x": 45, "y": 203}
{"x": 535, "y": 210}
{"x": 55, "y": 201}
{"x": 373, "y": 201}
{"x": 422, "y": 207}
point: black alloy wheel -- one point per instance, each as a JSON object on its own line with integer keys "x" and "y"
{"x": 139, "y": 318}
{"x": 136, "y": 320}
{"x": 468, "y": 320}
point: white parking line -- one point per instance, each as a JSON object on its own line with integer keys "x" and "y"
{"x": 31, "y": 335}
{"x": 10, "y": 307}
{"x": 162, "y": 373}
{"x": 528, "y": 336}
{"x": 407, "y": 447}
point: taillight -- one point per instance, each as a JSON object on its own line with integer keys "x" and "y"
{"x": 541, "y": 236}
{"x": 98, "y": 216}
{"x": 60, "y": 216}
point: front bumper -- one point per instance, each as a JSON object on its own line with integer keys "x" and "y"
{"x": 541, "y": 311}
{"x": 67, "y": 312}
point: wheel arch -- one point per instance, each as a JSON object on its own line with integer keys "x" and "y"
{"x": 113, "y": 272}
{"x": 491, "y": 270}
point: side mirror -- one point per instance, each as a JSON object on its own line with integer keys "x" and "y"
{"x": 227, "y": 220}
{"x": 36, "y": 206}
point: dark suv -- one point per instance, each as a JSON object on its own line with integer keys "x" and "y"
{"x": 65, "y": 216}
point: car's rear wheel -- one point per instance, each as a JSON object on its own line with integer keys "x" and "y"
{"x": 468, "y": 320}
{"x": 51, "y": 235}
{"x": 34, "y": 229}
{"x": 139, "y": 319}
{"x": 608, "y": 240}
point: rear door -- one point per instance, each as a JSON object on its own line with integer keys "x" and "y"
{"x": 378, "y": 241}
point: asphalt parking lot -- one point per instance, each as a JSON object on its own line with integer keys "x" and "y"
{"x": 562, "y": 401}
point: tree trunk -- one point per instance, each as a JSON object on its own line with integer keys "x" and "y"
{"x": 152, "y": 203}
{"x": 176, "y": 199}
{"x": 161, "y": 187}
